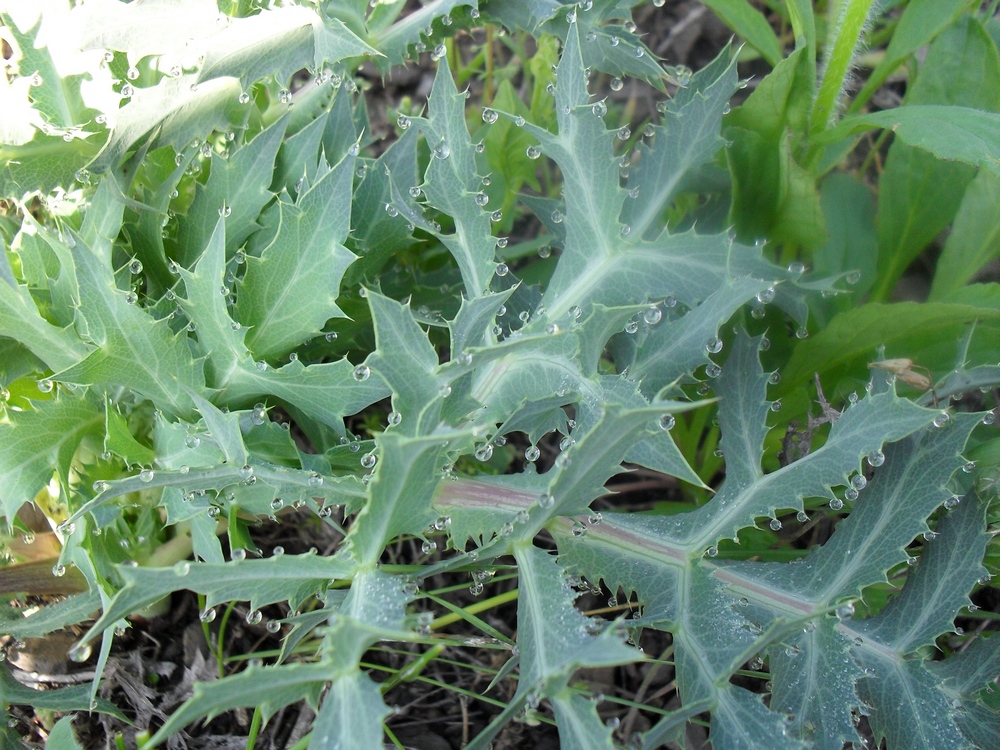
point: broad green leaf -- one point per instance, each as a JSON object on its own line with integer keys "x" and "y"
{"x": 279, "y": 41}
{"x": 690, "y": 138}
{"x": 852, "y": 338}
{"x": 918, "y": 198}
{"x": 289, "y": 293}
{"x": 45, "y": 162}
{"x": 974, "y": 239}
{"x": 773, "y": 196}
{"x": 259, "y": 582}
{"x": 849, "y": 210}
{"x": 921, "y": 21}
{"x": 749, "y": 23}
{"x": 963, "y": 134}
{"x": 40, "y": 442}
{"x": 62, "y": 737}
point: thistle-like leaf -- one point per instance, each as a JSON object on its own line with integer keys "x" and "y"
{"x": 290, "y": 292}
{"x": 39, "y": 442}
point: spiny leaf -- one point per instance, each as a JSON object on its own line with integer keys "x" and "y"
{"x": 279, "y": 41}
{"x": 452, "y": 183}
{"x": 260, "y": 582}
{"x": 688, "y": 137}
{"x": 290, "y": 292}
{"x": 39, "y": 442}
{"x": 267, "y": 688}
{"x": 234, "y": 188}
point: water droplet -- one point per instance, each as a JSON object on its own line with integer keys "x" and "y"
{"x": 207, "y": 615}
{"x": 273, "y": 626}
{"x": 496, "y": 216}
{"x": 600, "y": 109}
{"x": 502, "y": 269}
{"x": 845, "y": 611}
{"x": 624, "y": 133}
{"x": 851, "y": 494}
{"x": 58, "y": 570}
{"x": 135, "y": 267}
{"x": 615, "y": 41}
{"x": 775, "y": 524}
{"x": 631, "y": 327}
{"x": 476, "y": 588}
{"x": 146, "y": 476}
{"x": 485, "y": 452}
{"x": 127, "y": 91}
{"x": 244, "y": 98}
{"x": 277, "y": 504}
{"x": 246, "y": 471}
{"x": 238, "y": 555}
{"x": 952, "y": 502}
{"x": 531, "y": 453}
{"x": 254, "y": 617}
{"x": 362, "y": 373}
{"x": 132, "y": 73}
{"x": 942, "y": 419}
{"x": 80, "y": 653}
{"x": 442, "y": 150}
{"x": 368, "y": 460}
{"x": 969, "y": 467}
{"x": 713, "y": 370}
{"x": 836, "y": 504}
{"x": 182, "y": 568}
{"x": 712, "y": 551}
{"x": 625, "y": 230}
{"x": 859, "y": 482}
{"x": 989, "y": 418}
{"x": 261, "y": 365}
{"x": 876, "y": 458}
{"x": 713, "y": 346}
{"x": 802, "y": 516}
{"x": 546, "y": 501}
{"x": 652, "y": 315}
{"x": 489, "y": 116}
{"x": 802, "y": 333}
{"x": 428, "y": 547}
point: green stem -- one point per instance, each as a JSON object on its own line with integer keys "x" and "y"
{"x": 219, "y": 656}
{"x": 846, "y": 38}
{"x": 254, "y": 728}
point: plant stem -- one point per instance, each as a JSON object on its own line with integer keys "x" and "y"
{"x": 840, "y": 55}
{"x": 254, "y": 728}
